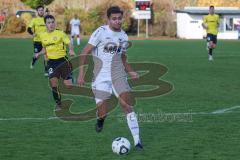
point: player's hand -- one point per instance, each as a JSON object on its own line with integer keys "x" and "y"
{"x": 205, "y": 26}
{"x": 80, "y": 80}
{"x": 37, "y": 55}
{"x": 134, "y": 75}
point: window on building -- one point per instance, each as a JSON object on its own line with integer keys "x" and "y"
{"x": 232, "y": 24}
{"x": 229, "y": 24}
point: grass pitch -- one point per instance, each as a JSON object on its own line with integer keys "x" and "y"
{"x": 209, "y": 92}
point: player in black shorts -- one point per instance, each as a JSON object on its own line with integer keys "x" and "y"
{"x": 212, "y": 37}
{"x": 60, "y": 68}
{"x": 55, "y": 48}
{"x": 35, "y": 28}
{"x": 211, "y": 24}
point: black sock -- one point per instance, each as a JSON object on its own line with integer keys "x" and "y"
{"x": 210, "y": 51}
{"x": 100, "y": 121}
{"x": 34, "y": 59}
{"x": 56, "y": 95}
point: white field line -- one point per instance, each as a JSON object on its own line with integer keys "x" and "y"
{"x": 225, "y": 110}
{"x": 220, "y": 111}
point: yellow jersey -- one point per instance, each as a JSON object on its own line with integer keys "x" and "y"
{"x": 212, "y": 22}
{"x": 55, "y": 43}
{"x": 38, "y": 26}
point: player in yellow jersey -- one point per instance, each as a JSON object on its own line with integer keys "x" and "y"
{"x": 211, "y": 24}
{"x": 35, "y": 28}
{"x": 55, "y": 48}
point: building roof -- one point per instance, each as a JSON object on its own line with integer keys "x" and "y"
{"x": 202, "y": 11}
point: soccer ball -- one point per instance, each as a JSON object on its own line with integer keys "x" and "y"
{"x": 121, "y": 146}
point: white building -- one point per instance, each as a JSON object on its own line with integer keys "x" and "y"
{"x": 189, "y": 22}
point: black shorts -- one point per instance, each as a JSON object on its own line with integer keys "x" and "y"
{"x": 59, "y": 68}
{"x": 37, "y": 47}
{"x": 212, "y": 37}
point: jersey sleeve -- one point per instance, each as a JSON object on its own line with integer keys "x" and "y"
{"x": 125, "y": 44}
{"x": 95, "y": 38}
{"x": 31, "y": 24}
{"x": 205, "y": 19}
{"x": 66, "y": 39}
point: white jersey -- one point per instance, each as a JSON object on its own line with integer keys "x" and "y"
{"x": 75, "y": 24}
{"x": 109, "y": 46}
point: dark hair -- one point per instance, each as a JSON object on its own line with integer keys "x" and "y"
{"x": 40, "y": 6}
{"x": 113, "y": 10}
{"x": 48, "y": 17}
{"x": 211, "y": 6}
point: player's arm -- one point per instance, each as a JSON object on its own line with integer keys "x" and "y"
{"x": 134, "y": 75}
{"x": 29, "y": 29}
{"x": 204, "y": 24}
{"x": 92, "y": 43}
{"x": 42, "y": 52}
{"x": 66, "y": 41}
{"x": 87, "y": 50}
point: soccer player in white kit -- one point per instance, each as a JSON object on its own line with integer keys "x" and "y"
{"x": 108, "y": 46}
{"x": 75, "y": 29}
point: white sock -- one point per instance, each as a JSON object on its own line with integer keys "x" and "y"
{"x": 133, "y": 126}
{"x": 207, "y": 45}
{"x": 78, "y": 41}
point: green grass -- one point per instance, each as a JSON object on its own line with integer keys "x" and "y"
{"x": 199, "y": 86}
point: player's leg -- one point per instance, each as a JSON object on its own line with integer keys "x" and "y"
{"x": 102, "y": 92}
{"x": 37, "y": 46}
{"x": 210, "y": 51}
{"x": 127, "y": 106}
{"x": 56, "y": 69}
{"x": 77, "y": 33}
{"x": 101, "y": 115}
{"x": 72, "y": 37}
{"x": 211, "y": 46}
{"x": 45, "y": 65}
{"x": 122, "y": 90}
{"x": 214, "y": 42}
{"x": 65, "y": 69}
{"x": 54, "y": 75}
{"x": 78, "y": 39}
{"x": 56, "y": 93}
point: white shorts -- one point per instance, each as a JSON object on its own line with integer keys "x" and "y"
{"x": 75, "y": 32}
{"x": 103, "y": 90}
